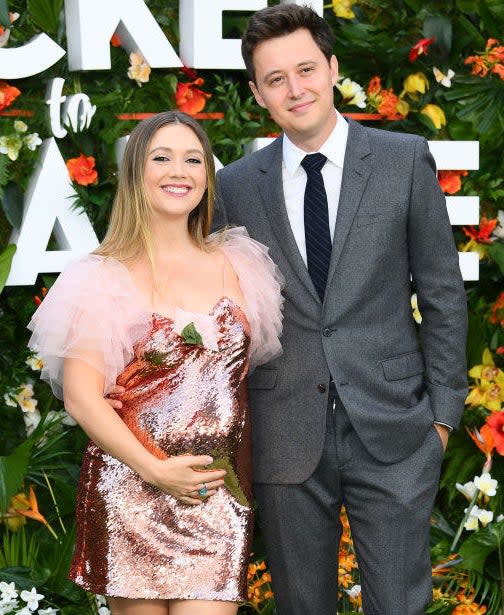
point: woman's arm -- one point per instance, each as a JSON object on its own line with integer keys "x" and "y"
{"x": 83, "y": 394}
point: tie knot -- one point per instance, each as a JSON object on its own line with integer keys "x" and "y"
{"x": 313, "y": 162}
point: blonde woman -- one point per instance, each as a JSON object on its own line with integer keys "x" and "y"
{"x": 176, "y": 317}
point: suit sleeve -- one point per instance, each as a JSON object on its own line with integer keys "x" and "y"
{"x": 440, "y": 290}
{"x": 220, "y": 218}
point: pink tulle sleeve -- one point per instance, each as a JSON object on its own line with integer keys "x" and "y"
{"x": 92, "y": 312}
{"x": 261, "y": 283}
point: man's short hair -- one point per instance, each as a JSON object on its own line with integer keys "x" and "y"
{"x": 279, "y": 20}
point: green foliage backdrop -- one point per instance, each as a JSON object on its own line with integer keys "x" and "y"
{"x": 423, "y": 66}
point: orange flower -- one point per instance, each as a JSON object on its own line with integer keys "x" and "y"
{"x": 490, "y": 60}
{"x": 420, "y": 48}
{"x": 82, "y": 170}
{"x": 486, "y": 228}
{"x": 37, "y": 300}
{"x": 115, "y": 41}
{"x": 497, "y": 311}
{"x": 484, "y": 439}
{"x": 28, "y": 507}
{"x": 189, "y": 98}
{"x": 385, "y": 101}
{"x": 8, "y": 93}
{"x": 450, "y": 181}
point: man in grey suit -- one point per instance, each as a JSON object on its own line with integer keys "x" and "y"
{"x": 357, "y": 410}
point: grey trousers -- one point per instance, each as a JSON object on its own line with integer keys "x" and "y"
{"x": 389, "y": 508}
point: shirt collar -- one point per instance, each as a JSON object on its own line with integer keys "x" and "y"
{"x": 334, "y": 148}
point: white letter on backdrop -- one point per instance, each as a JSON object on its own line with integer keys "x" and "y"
{"x": 48, "y": 209}
{"x": 29, "y": 59}
{"x": 90, "y": 25}
{"x": 201, "y": 42}
{"x": 317, "y": 5}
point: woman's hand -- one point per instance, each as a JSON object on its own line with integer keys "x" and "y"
{"x": 178, "y": 477}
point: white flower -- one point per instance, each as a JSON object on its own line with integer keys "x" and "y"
{"x": 485, "y": 517}
{"x": 500, "y": 518}
{"x": 139, "y": 69}
{"x": 499, "y": 229}
{"x": 442, "y": 78}
{"x": 486, "y": 484}
{"x": 100, "y": 600}
{"x": 9, "y": 401}
{"x": 32, "y": 141}
{"x": 352, "y": 93}
{"x": 468, "y": 489}
{"x": 8, "y": 591}
{"x": 11, "y": 146}
{"x": 25, "y": 611}
{"x": 68, "y": 419}
{"x": 31, "y": 420}
{"x": 472, "y": 520}
{"x": 103, "y": 610}
{"x": 26, "y": 390}
{"x": 31, "y": 598}
{"x": 28, "y": 404}
{"x": 8, "y": 606}
{"x": 48, "y": 611}
{"x": 35, "y": 363}
{"x": 354, "y": 591}
{"x": 20, "y": 126}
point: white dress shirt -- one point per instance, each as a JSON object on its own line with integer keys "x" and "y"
{"x": 294, "y": 179}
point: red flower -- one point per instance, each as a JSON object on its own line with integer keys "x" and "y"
{"x": 115, "y": 41}
{"x": 482, "y": 235}
{"x": 420, "y": 48}
{"x": 82, "y": 170}
{"x": 496, "y": 423}
{"x": 8, "y": 93}
{"x": 500, "y": 350}
{"x": 189, "y": 98}
{"x": 374, "y": 85}
{"x": 450, "y": 181}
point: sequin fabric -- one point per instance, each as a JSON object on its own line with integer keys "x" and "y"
{"x": 136, "y": 541}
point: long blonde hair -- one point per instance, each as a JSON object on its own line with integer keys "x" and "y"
{"x": 128, "y": 235}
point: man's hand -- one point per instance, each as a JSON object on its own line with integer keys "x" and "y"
{"x": 443, "y": 433}
{"x": 115, "y": 403}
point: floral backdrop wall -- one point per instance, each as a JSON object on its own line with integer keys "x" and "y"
{"x": 422, "y": 66}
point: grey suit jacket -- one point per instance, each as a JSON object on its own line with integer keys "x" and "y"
{"x": 392, "y": 226}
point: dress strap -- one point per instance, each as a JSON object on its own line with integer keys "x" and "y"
{"x": 225, "y": 262}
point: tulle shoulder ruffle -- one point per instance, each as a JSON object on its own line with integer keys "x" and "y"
{"x": 91, "y": 313}
{"x": 261, "y": 283}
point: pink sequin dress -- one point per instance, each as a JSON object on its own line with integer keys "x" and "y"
{"x": 134, "y": 540}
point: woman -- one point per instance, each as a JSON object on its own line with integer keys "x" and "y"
{"x": 176, "y": 317}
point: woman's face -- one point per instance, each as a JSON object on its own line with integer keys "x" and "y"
{"x": 175, "y": 175}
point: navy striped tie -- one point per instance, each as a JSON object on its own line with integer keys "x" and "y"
{"x": 316, "y": 221}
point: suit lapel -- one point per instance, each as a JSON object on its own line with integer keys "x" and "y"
{"x": 271, "y": 189}
{"x": 356, "y": 171}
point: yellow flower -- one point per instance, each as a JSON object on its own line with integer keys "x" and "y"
{"x": 343, "y": 8}
{"x": 414, "y": 84}
{"x": 402, "y": 107}
{"x": 352, "y": 93}
{"x": 139, "y": 69}
{"x": 488, "y": 390}
{"x": 435, "y": 114}
{"x": 417, "y": 316}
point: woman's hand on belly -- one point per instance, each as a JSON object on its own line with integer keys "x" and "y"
{"x": 177, "y": 477}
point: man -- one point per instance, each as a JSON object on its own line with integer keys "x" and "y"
{"x": 357, "y": 410}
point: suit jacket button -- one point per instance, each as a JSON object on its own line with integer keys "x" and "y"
{"x": 327, "y": 332}
{"x": 322, "y": 387}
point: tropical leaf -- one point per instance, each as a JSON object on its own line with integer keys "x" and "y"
{"x": 4, "y": 14}
{"x": 12, "y": 203}
{"x": 13, "y": 469}
{"x": 5, "y": 264}
{"x": 45, "y": 14}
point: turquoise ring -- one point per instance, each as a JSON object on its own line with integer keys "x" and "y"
{"x": 203, "y": 491}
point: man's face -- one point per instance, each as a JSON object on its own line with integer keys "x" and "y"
{"x": 295, "y": 83}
